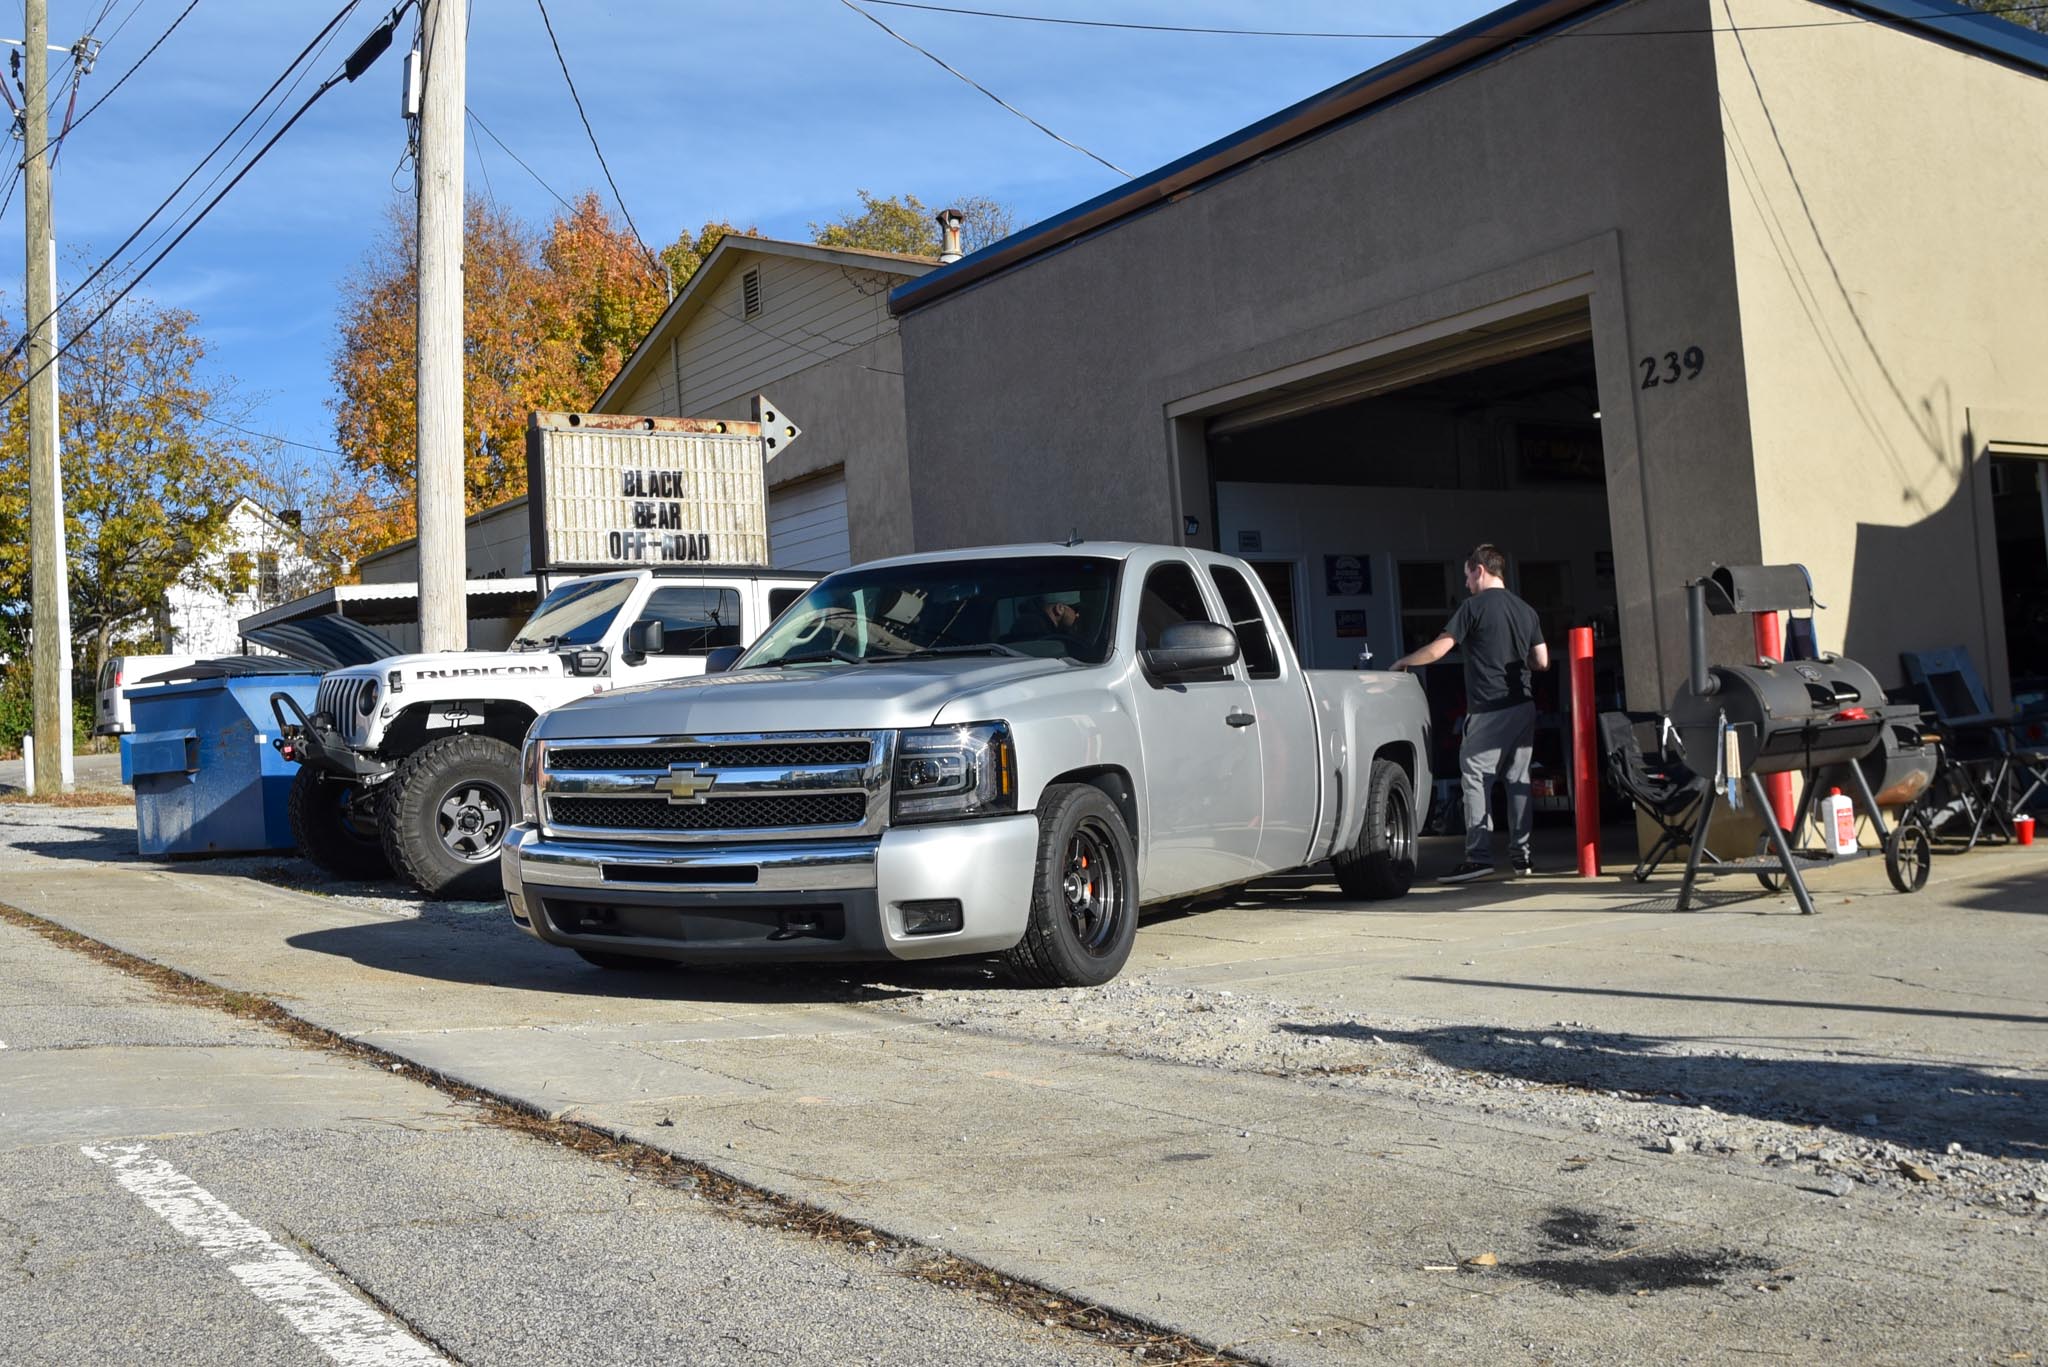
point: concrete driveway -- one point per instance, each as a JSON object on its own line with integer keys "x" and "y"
{"x": 1544, "y": 1119}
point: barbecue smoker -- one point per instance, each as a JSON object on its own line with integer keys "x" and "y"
{"x": 1740, "y": 722}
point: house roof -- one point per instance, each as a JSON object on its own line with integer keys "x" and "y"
{"x": 694, "y": 295}
{"x": 1483, "y": 40}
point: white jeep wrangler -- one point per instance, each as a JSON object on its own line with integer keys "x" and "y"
{"x": 411, "y": 764}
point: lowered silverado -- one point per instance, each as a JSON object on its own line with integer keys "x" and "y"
{"x": 992, "y": 751}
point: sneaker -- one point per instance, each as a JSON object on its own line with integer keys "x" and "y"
{"x": 1467, "y": 872}
{"x": 1524, "y": 865}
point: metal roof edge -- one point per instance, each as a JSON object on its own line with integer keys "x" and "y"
{"x": 1487, "y": 36}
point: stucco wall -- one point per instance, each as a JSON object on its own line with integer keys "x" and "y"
{"x": 1889, "y": 196}
{"x": 1038, "y": 400}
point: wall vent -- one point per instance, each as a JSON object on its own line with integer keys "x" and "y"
{"x": 750, "y": 292}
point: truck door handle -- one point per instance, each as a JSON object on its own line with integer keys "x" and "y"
{"x": 1240, "y": 719}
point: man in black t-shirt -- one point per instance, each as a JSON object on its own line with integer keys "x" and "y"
{"x": 1503, "y": 643}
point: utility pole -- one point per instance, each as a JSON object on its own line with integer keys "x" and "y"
{"x": 444, "y": 614}
{"x": 50, "y": 598}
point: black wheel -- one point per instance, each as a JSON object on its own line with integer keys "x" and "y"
{"x": 1908, "y": 856}
{"x": 330, "y": 825}
{"x": 451, "y": 802}
{"x": 1773, "y": 882}
{"x": 625, "y": 963}
{"x": 1084, "y": 900}
{"x": 1382, "y": 863}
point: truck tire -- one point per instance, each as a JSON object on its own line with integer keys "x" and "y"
{"x": 1382, "y": 862}
{"x": 328, "y": 830}
{"x": 451, "y": 802}
{"x": 1084, "y": 899}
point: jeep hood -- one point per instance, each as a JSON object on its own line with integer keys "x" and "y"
{"x": 822, "y": 698}
{"x": 472, "y": 664}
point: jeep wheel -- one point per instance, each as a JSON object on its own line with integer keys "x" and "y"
{"x": 1084, "y": 900}
{"x": 451, "y": 803}
{"x": 329, "y": 827}
{"x": 1382, "y": 862}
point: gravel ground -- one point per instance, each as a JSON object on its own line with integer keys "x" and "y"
{"x": 1560, "y": 1076}
{"x": 1549, "y": 1077}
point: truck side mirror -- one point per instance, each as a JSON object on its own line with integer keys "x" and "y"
{"x": 1186, "y": 649}
{"x": 643, "y": 639}
{"x": 723, "y": 658}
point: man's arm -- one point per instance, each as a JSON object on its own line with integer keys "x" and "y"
{"x": 1428, "y": 655}
{"x": 1539, "y": 656}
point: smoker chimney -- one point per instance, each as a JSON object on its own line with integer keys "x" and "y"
{"x": 950, "y": 221}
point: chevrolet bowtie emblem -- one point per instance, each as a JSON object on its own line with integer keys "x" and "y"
{"x": 684, "y": 785}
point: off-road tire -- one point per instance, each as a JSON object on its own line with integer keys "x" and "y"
{"x": 327, "y": 830}
{"x": 625, "y": 963}
{"x": 417, "y": 837}
{"x": 1381, "y": 863}
{"x": 1084, "y": 895}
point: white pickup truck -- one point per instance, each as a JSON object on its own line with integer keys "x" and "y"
{"x": 411, "y": 763}
{"x": 994, "y": 751}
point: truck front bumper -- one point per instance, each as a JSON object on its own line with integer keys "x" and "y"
{"x": 792, "y": 902}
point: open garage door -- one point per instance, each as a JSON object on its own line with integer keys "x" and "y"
{"x": 1363, "y": 493}
{"x": 807, "y": 525}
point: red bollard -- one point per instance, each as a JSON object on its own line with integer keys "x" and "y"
{"x": 1770, "y": 645}
{"x": 1585, "y": 753}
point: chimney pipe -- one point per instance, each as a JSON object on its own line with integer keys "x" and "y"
{"x": 950, "y": 221}
{"x": 1704, "y": 683}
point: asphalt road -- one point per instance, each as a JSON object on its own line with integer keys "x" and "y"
{"x": 177, "y": 1186}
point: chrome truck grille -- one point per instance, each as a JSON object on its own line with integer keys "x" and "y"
{"x": 340, "y": 696}
{"x": 707, "y": 788}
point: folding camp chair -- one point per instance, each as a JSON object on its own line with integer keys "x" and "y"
{"x": 1991, "y": 766}
{"x": 1663, "y": 789}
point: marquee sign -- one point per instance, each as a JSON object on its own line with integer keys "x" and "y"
{"x": 605, "y": 490}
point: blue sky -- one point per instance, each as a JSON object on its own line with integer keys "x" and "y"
{"x": 770, "y": 113}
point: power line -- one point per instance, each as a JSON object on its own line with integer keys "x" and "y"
{"x": 1414, "y": 37}
{"x": 358, "y": 62}
{"x": 985, "y": 90}
{"x": 190, "y": 176}
{"x": 138, "y": 61}
{"x": 521, "y": 160}
{"x": 652, "y": 260}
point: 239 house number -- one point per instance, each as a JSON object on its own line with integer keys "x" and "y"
{"x": 1672, "y": 367}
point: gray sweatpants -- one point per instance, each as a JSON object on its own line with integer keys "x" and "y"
{"x": 1496, "y": 744}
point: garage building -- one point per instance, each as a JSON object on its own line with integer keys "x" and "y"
{"x": 1630, "y": 289}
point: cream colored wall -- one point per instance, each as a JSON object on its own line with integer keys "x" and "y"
{"x": 810, "y": 312}
{"x": 1889, "y": 205}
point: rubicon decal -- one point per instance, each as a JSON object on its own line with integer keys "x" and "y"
{"x": 476, "y": 670}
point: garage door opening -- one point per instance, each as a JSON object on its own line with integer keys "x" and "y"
{"x": 1358, "y": 510}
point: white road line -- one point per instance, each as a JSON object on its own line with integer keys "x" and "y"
{"x": 348, "y": 1330}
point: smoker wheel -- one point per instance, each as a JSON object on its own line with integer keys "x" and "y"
{"x": 1908, "y": 856}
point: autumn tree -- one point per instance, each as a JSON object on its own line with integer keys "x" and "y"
{"x": 904, "y": 225}
{"x": 2014, "y": 12}
{"x": 152, "y": 465}
{"x": 548, "y": 319}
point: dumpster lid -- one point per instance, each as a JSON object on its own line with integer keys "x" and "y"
{"x": 331, "y": 642}
{"x": 226, "y": 666}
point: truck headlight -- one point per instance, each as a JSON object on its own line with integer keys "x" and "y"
{"x": 954, "y": 771}
{"x": 531, "y": 756}
{"x": 367, "y": 703}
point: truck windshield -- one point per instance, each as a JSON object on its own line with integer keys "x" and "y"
{"x": 575, "y": 614}
{"x": 1045, "y": 606}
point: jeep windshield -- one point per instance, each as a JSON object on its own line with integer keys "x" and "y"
{"x": 1042, "y": 606}
{"x": 576, "y": 614}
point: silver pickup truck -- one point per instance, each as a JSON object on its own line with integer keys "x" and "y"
{"x": 991, "y": 751}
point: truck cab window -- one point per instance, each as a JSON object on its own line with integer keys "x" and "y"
{"x": 1241, "y": 605}
{"x": 694, "y": 619}
{"x": 1170, "y": 598}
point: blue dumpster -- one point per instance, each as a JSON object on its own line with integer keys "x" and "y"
{"x": 207, "y": 779}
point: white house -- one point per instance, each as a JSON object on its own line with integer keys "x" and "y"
{"x": 263, "y": 564}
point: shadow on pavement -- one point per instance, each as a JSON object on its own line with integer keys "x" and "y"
{"x": 487, "y": 950}
{"x": 2024, "y": 892}
{"x": 1922, "y": 1105}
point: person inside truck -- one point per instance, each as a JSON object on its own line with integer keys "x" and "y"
{"x": 1053, "y": 618}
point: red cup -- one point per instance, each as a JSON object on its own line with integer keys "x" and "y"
{"x": 2023, "y": 827}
